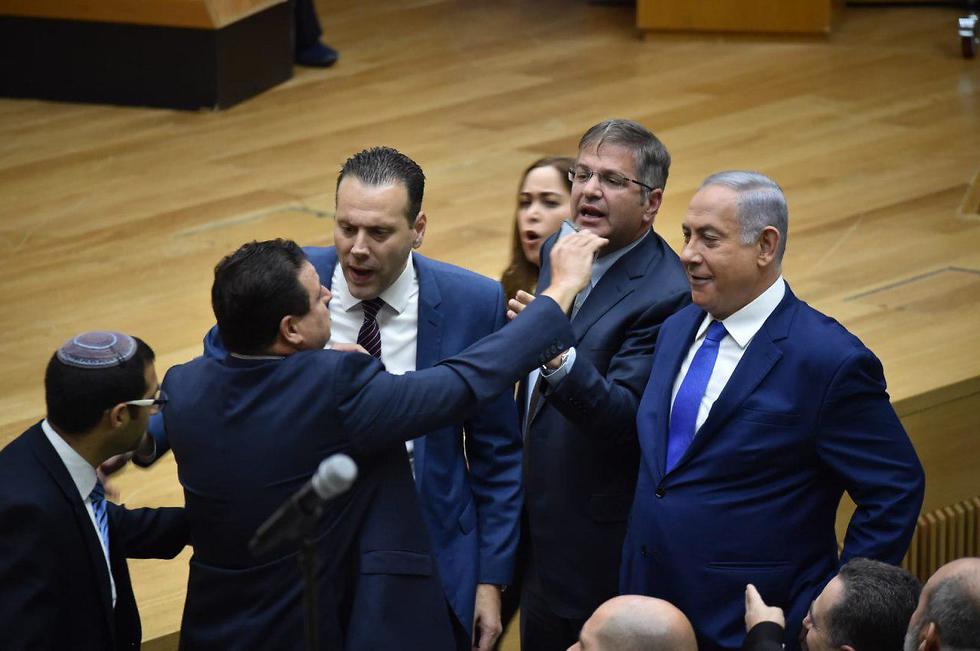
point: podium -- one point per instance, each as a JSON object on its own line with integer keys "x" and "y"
{"x": 181, "y": 54}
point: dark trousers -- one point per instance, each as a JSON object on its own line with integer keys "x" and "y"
{"x": 464, "y": 638}
{"x": 542, "y": 629}
{"x": 308, "y": 30}
{"x": 510, "y": 600}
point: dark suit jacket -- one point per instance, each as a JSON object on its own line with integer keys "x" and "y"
{"x": 764, "y": 636}
{"x": 472, "y": 514}
{"x": 471, "y": 502}
{"x": 246, "y": 434}
{"x": 581, "y": 453}
{"x": 54, "y": 588}
{"x": 804, "y": 417}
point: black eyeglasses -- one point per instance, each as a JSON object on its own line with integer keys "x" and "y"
{"x": 610, "y": 180}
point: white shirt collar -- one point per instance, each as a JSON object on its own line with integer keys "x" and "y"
{"x": 743, "y": 324}
{"x": 396, "y": 296}
{"x": 82, "y": 473}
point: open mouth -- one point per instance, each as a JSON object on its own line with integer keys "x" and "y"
{"x": 360, "y": 275}
{"x": 531, "y": 238}
{"x": 697, "y": 280}
{"x": 589, "y": 215}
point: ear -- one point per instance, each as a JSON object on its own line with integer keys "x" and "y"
{"x": 652, "y": 205}
{"x": 768, "y": 245}
{"x": 117, "y": 416}
{"x": 289, "y": 333}
{"x": 929, "y": 638}
{"x": 419, "y": 230}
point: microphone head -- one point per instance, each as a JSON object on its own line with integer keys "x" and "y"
{"x": 334, "y": 476}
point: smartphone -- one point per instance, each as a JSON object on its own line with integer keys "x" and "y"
{"x": 567, "y": 228}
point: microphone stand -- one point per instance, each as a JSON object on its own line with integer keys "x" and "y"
{"x": 307, "y": 567}
{"x": 296, "y": 520}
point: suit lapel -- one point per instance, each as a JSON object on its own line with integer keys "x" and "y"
{"x": 616, "y": 284}
{"x": 536, "y": 404}
{"x": 761, "y": 355}
{"x": 656, "y": 397}
{"x": 52, "y": 463}
{"x": 544, "y": 279}
{"x": 326, "y": 279}
{"x": 428, "y": 338}
{"x": 544, "y": 275}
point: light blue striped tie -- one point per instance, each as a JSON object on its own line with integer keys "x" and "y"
{"x": 101, "y": 517}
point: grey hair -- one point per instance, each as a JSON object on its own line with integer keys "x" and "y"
{"x": 955, "y": 608}
{"x": 652, "y": 157}
{"x": 761, "y": 203}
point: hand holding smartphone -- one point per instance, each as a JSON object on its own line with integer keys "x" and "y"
{"x": 568, "y": 227}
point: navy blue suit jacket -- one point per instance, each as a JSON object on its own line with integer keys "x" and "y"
{"x": 54, "y": 588}
{"x": 581, "y": 453}
{"x": 247, "y": 433}
{"x": 804, "y": 417}
{"x": 473, "y": 514}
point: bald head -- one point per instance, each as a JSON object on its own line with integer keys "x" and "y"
{"x": 635, "y": 623}
{"x": 948, "y": 614}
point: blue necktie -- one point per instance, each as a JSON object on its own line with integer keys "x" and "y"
{"x": 101, "y": 517}
{"x": 684, "y": 415}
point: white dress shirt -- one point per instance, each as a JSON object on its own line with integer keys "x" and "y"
{"x": 398, "y": 320}
{"x": 742, "y": 326}
{"x": 83, "y": 474}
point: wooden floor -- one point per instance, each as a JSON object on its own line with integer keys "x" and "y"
{"x": 115, "y": 217}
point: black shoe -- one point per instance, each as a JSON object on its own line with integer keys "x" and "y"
{"x": 317, "y": 55}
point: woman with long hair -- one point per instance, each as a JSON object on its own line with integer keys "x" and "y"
{"x": 543, "y": 201}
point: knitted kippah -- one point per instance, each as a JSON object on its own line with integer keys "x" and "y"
{"x": 98, "y": 349}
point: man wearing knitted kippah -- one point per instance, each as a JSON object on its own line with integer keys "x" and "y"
{"x": 64, "y": 582}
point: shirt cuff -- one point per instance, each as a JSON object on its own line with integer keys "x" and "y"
{"x": 764, "y": 635}
{"x": 554, "y": 377}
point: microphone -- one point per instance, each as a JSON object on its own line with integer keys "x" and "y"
{"x": 296, "y": 516}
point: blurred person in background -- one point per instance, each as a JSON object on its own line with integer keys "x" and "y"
{"x": 543, "y": 200}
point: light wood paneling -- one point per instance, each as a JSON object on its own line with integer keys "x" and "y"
{"x": 970, "y": 206}
{"x": 757, "y": 16}
{"x": 204, "y": 14}
{"x": 115, "y": 217}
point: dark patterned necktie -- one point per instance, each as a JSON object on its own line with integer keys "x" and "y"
{"x": 369, "y": 336}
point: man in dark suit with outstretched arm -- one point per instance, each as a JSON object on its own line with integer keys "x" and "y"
{"x": 411, "y": 312}
{"x": 249, "y": 428}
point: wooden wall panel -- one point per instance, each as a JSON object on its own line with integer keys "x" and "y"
{"x": 212, "y": 14}
{"x": 757, "y": 16}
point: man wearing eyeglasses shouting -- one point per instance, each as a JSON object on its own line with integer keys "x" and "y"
{"x": 579, "y": 410}
{"x": 64, "y": 583}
